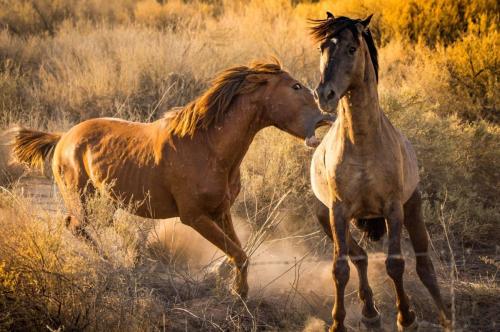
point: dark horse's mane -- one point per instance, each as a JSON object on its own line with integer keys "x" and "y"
{"x": 214, "y": 103}
{"x": 330, "y": 27}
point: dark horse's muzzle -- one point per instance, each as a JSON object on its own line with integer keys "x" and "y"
{"x": 326, "y": 98}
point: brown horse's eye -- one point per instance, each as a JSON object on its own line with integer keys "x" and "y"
{"x": 297, "y": 86}
{"x": 352, "y": 50}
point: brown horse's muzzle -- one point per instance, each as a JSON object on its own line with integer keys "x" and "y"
{"x": 322, "y": 120}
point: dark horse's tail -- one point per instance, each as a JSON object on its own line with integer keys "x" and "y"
{"x": 373, "y": 228}
{"x": 32, "y": 147}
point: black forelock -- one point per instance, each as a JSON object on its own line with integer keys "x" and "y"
{"x": 331, "y": 27}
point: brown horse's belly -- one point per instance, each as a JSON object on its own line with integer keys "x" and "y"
{"x": 142, "y": 190}
{"x": 143, "y": 199}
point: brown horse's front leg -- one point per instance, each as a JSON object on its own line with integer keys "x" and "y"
{"x": 395, "y": 266}
{"x": 340, "y": 230}
{"x": 225, "y": 222}
{"x": 209, "y": 229}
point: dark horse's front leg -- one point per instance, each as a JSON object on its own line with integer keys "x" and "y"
{"x": 370, "y": 315}
{"x": 340, "y": 230}
{"x": 395, "y": 266}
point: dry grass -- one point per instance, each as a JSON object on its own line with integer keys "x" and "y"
{"x": 64, "y": 61}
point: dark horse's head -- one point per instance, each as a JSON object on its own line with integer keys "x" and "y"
{"x": 347, "y": 54}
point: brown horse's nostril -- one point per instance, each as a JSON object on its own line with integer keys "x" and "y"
{"x": 331, "y": 95}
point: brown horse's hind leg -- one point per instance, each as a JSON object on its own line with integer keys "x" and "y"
{"x": 75, "y": 187}
{"x": 395, "y": 266}
{"x": 77, "y": 228}
{"x": 213, "y": 233}
{"x": 416, "y": 229}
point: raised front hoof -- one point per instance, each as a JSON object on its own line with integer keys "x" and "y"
{"x": 413, "y": 326}
{"x": 370, "y": 323}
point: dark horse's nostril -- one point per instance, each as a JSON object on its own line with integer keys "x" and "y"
{"x": 331, "y": 95}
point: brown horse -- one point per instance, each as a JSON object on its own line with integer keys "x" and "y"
{"x": 186, "y": 164}
{"x": 365, "y": 170}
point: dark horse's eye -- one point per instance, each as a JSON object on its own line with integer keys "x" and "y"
{"x": 297, "y": 86}
{"x": 352, "y": 50}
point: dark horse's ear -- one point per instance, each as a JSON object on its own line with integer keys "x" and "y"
{"x": 366, "y": 21}
{"x": 329, "y": 16}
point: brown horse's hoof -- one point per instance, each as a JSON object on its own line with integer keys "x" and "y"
{"x": 224, "y": 269}
{"x": 412, "y": 327}
{"x": 240, "y": 290}
{"x": 370, "y": 323}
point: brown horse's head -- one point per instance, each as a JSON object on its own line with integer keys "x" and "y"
{"x": 282, "y": 100}
{"x": 288, "y": 105}
{"x": 347, "y": 51}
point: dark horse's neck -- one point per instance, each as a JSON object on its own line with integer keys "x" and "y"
{"x": 360, "y": 113}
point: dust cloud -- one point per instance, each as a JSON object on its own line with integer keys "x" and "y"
{"x": 279, "y": 266}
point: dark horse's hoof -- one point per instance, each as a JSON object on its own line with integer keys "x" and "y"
{"x": 335, "y": 328}
{"x": 412, "y": 327}
{"x": 370, "y": 323}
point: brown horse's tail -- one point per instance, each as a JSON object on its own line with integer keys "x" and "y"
{"x": 373, "y": 228}
{"x": 33, "y": 147}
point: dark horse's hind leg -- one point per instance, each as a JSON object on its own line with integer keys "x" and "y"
{"x": 418, "y": 234}
{"x": 370, "y": 315}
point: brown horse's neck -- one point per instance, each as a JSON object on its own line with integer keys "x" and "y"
{"x": 231, "y": 139}
{"x": 360, "y": 112}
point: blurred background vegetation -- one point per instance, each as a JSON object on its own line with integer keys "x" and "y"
{"x": 64, "y": 61}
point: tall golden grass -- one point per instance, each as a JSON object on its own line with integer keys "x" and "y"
{"x": 65, "y": 61}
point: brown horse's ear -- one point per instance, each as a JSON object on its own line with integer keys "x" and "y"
{"x": 329, "y": 16}
{"x": 366, "y": 21}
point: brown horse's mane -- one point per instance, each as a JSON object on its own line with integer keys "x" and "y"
{"x": 328, "y": 28}
{"x": 215, "y": 102}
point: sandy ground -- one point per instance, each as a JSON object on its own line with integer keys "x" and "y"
{"x": 284, "y": 271}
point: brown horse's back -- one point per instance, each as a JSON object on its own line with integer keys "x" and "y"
{"x": 117, "y": 155}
